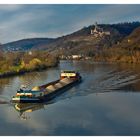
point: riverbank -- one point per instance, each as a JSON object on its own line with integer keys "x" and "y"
{"x": 22, "y": 62}
{"x": 14, "y": 73}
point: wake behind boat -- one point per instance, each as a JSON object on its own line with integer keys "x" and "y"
{"x": 48, "y": 91}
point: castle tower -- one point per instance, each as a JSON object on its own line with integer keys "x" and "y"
{"x": 92, "y": 31}
{"x": 96, "y": 26}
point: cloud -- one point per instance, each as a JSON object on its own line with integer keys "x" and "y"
{"x": 10, "y": 7}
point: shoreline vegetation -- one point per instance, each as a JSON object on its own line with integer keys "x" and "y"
{"x": 110, "y": 55}
{"x": 118, "y": 55}
{"x": 17, "y": 63}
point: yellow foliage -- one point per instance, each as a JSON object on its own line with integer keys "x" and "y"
{"x": 35, "y": 61}
{"x": 22, "y": 64}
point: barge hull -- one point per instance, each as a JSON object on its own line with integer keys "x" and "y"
{"x": 59, "y": 91}
{"x": 49, "y": 96}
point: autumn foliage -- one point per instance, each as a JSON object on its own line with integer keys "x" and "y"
{"x": 18, "y": 62}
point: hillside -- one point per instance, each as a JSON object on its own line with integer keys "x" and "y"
{"x": 79, "y": 42}
{"x": 84, "y": 43}
{"x": 127, "y": 50}
{"x": 73, "y": 42}
{"x": 131, "y": 42}
{"x": 26, "y": 44}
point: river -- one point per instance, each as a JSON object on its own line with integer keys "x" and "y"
{"x": 105, "y": 103}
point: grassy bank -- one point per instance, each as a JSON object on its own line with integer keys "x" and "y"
{"x": 14, "y": 63}
{"x": 118, "y": 55}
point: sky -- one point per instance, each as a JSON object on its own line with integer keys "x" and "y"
{"x": 45, "y": 20}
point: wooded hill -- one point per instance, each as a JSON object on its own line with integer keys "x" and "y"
{"x": 127, "y": 50}
{"x": 79, "y": 42}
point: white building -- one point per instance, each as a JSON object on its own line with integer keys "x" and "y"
{"x": 76, "y": 56}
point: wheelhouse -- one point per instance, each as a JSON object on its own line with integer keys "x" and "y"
{"x": 69, "y": 74}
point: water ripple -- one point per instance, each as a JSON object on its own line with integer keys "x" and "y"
{"x": 102, "y": 83}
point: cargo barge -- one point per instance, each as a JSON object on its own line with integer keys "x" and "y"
{"x": 48, "y": 91}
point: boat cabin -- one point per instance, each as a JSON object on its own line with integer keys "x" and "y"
{"x": 30, "y": 93}
{"x": 69, "y": 74}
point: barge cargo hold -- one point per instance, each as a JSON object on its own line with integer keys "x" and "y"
{"x": 48, "y": 91}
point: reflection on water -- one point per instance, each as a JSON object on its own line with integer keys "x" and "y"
{"x": 28, "y": 107}
{"x": 105, "y": 103}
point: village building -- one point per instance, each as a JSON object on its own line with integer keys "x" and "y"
{"x": 76, "y": 56}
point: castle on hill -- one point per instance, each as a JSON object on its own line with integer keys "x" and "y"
{"x": 98, "y": 31}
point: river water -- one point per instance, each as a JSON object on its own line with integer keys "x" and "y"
{"x": 107, "y": 102}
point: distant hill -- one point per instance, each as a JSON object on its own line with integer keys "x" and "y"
{"x": 81, "y": 41}
{"x": 26, "y": 44}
